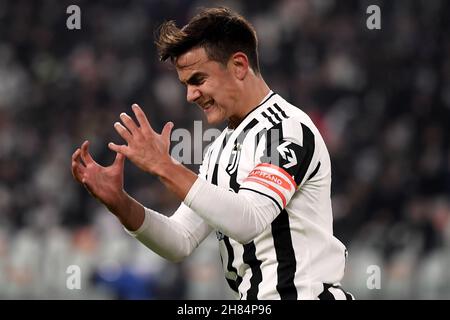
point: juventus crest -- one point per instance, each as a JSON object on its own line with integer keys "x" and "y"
{"x": 234, "y": 159}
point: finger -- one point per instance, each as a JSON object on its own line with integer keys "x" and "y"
{"x": 118, "y": 148}
{"x": 166, "y": 131}
{"x": 77, "y": 171}
{"x": 75, "y": 154}
{"x": 141, "y": 117}
{"x": 123, "y": 132}
{"x": 76, "y": 157}
{"x": 129, "y": 123}
{"x": 85, "y": 156}
{"x": 119, "y": 160}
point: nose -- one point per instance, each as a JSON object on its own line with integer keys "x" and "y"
{"x": 193, "y": 93}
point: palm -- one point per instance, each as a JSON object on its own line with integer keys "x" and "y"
{"x": 104, "y": 183}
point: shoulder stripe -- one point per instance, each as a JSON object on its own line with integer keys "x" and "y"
{"x": 274, "y": 114}
{"x": 268, "y": 118}
{"x": 280, "y": 110}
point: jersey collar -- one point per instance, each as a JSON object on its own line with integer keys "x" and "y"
{"x": 258, "y": 107}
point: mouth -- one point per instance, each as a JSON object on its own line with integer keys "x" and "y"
{"x": 207, "y": 105}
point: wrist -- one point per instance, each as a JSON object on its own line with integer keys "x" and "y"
{"x": 120, "y": 204}
{"x": 176, "y": 177}
{"x": 130, "y": 213}
{"x": 167, "y": 168}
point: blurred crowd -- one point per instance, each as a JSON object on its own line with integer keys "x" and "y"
{"x": 381, "y": 99}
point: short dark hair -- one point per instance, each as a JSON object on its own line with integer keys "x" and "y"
{"x": 220, "y": 31}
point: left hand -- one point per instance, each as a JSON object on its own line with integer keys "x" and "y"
{"x": 147, "y": 149}
{"x": 103, "y": 183}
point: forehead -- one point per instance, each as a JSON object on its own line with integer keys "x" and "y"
{"x": 191, "y": 59}
{"x": 195, "y": 60}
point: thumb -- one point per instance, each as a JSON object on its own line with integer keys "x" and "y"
{"x": 119, "y": 160}
{"x": 167, "y": 130}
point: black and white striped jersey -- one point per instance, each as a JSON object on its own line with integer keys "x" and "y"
{"x": 277, "y": 153}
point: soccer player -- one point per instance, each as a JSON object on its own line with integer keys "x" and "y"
{"x": 263, "y": 186}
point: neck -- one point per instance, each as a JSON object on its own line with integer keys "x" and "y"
{"x": 253, "y": 92}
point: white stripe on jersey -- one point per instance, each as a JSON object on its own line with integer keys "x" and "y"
{"x": 297, "y": 253}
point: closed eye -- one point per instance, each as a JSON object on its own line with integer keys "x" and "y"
{"x": 196, "y": 79}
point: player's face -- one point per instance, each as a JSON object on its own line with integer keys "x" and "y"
{"x": 209, "y": 84}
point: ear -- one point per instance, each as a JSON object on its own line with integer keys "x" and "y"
{"x": 239, "y": 65}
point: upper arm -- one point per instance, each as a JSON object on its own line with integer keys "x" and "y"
{"x": 283, "y": 160}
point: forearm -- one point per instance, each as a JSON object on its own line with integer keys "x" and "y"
{"x": 166, "y": 237}
{"x": 176, "y": 177}
{"x": 163, "y": 237}
{"x": 129, "y": 212}
{"x": 172, "y": 238}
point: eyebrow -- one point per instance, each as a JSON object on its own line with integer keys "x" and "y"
{"x": 194, "y": 78}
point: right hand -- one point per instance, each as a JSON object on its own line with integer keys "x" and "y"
{"x": 104, "y": 183}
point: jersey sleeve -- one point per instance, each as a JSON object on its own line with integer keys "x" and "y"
{"x": 284, "y": 156}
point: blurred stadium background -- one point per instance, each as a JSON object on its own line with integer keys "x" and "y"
{"x": 381, "y": 98}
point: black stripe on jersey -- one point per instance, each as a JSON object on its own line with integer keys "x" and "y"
{"x": 232, "y": 284}
{"x": 348, "y": 296}
{"x": 326, "y": 295}
{"x": 214, "y": 176}
{"x": 268, "y": 118}
{"x": 274, "y": 114}
{"x": 230, "y": 267}
{"x": 314, "y": 172}
{"x": 280, "y": 110}
{"x": 284, "y": 250}
{"x": 249, "y": 258}
{"x": 249, "y": 255}
{"x": 239, "y": 140}
{"x": 306, "y": 157}
{"x": 303, "y": 154}
{"x": 216, "y": 164}
{"x": 206, "y": 175}
{"x": 230, "y": 252}
{"x": 263, "y": 194}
